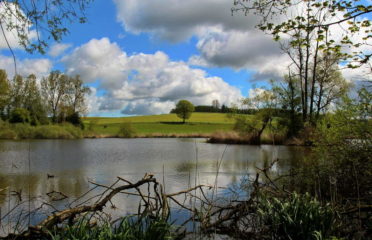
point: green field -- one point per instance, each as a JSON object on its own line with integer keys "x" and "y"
{"x": 165, "y": 124}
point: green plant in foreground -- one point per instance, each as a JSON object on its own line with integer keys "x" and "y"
{"x": 127, "y": 229}
{"x": 296, "y": 217}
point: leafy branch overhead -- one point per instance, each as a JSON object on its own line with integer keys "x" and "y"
{"x": 47, "y": 18}
{"x": 318, "y": 37}
{"x": 321, "y": 20}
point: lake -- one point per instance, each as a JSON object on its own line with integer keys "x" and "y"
{"x": 176, "y": 162}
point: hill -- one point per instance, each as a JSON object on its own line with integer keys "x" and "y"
{"x": 200, "y": 124}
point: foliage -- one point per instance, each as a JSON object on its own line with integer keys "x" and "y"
{"x": 184, "y": 109}
{"x": 127, "y": 229}
{"x": 20, "y": 115}
{"x": 47, "y": 18}
{"x": 317, "y": 19}
{"x": 296, "y": 217}
{"x": 75, "y": 119}
{"x": 4, "y": 93}
{"x": 340, "y": 166}
{"x": 126, "y": 130}
{"x": 265, "y": 102}
{"x": 306, "y": 31}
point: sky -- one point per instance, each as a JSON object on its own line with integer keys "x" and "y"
{"x": 141, "y": 57}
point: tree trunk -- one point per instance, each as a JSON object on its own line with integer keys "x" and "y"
{"x": 313, "y": 81}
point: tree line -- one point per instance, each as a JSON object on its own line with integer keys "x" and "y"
{"x": 56, "y": 98}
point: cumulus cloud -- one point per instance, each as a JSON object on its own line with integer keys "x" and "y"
{"x": 144, "y": 83}
{"x": 222, "y": 40}
{"x": 58, "y": 48}
{"x": 40, "y": 67}
{"x": 179, "y": 20}
{"x": 98, "y": 59}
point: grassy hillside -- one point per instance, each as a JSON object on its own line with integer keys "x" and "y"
{"x": 165, "y": 124}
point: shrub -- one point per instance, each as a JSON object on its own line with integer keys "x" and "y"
{"x": 75, "y": 119}
{"x": 20, "y": 115}
{"x": 126, "y": 130}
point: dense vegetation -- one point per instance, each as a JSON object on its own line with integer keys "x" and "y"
{"x": 41, "y": 109}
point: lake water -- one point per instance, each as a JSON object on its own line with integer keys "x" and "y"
{"x": 25, "y": 165}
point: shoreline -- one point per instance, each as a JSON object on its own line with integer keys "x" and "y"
{"x": 210, "y": 138}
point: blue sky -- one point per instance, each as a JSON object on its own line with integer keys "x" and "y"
{"x": 141, "y": 57}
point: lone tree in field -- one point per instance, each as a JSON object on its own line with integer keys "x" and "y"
{"x": 184, "y": 109}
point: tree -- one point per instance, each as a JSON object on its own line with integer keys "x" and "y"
{"x": 306, "y": 29}
{"x": 266, "y": 104}
{"x": 184, "y": 109}
{"x": 76, "y": 92}
{"x": 17, "y": 93}
{"x": 4, "y": 93}
{"x": 288, "y": 95}
{"x": 53, "y": 89}
{"x": 216, "y": 104}
{"x": 33, "y": 101}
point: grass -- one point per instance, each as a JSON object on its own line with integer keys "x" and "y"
{"x": 169, "y": 118}
{"x": 162, "y": 125}
{"x": 127, "y": 229}
{"x": 25, "y": 131}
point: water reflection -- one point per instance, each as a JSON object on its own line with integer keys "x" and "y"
{"x": 25, "y": 165}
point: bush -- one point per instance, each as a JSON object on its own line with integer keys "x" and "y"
{"x": 20, "y": 115}
{"x": 75, "y": 119}
{"x": 126, "y": 130}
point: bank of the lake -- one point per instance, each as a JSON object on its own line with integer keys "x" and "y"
{"x": 217, "y": 127}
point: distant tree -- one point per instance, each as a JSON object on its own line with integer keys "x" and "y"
{"x": 266, "y": 104}
{"x": 224, "y": 109}
{"x": 76, "y": 92}
{"x": 184, "y": 109}
{"x": 17, "y": 93}
{"x": 33, "y": 101}
{"x": 216, "y": 104}
{"x": 53, "y": 89}
{"x": 4, "y": 93}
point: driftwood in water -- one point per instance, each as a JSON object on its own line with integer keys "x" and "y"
{"x": 156, "y": 205}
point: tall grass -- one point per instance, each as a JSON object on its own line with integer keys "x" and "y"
{"x": 128, "y": 229}
{"x": 297, "y": 217}
{"x": 26, "y": 131}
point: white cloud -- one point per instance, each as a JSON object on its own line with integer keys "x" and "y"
{"x": 179, "y": 20}
{"x": 40, "y": 67}
{"x": 98, "y": 59}
{"x": 58, "y": 48}
{"x": 223, "y": 40}
{"x": 362, "y": 73}
{"x": 144, "y": 83}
